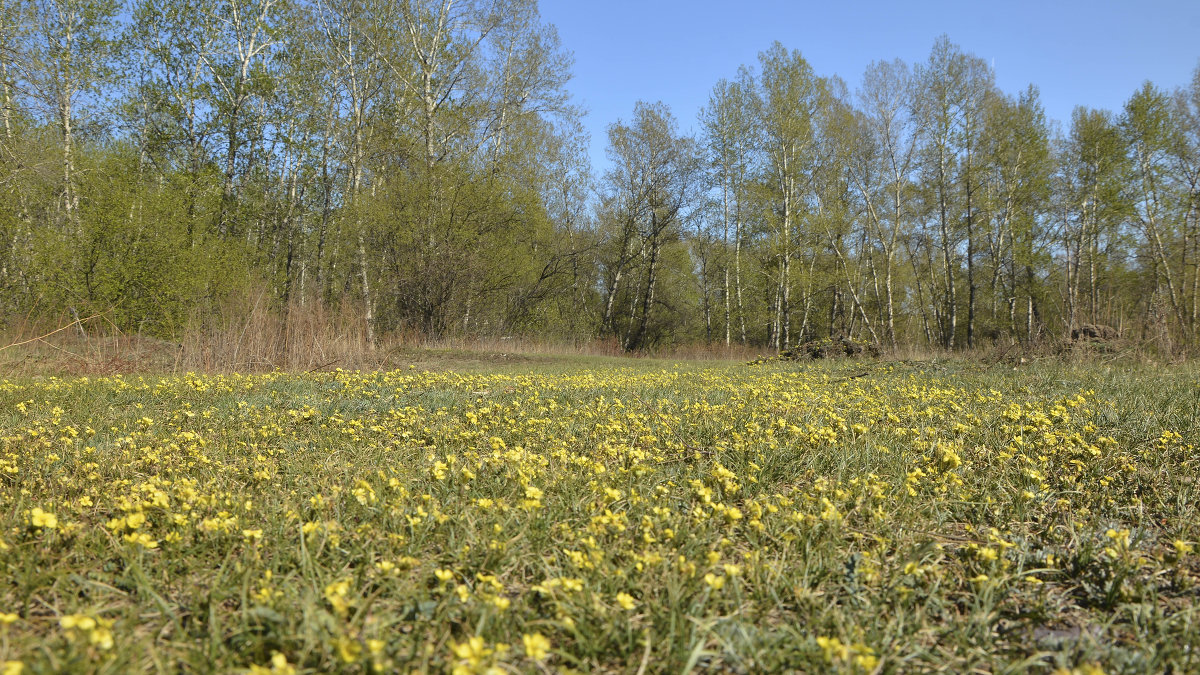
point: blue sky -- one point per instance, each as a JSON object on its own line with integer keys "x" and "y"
{"x": 1077, "y": 53}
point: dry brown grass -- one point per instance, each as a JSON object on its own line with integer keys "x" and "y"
{"x": 249, "y": 335}
{"x": 84, "y": 346}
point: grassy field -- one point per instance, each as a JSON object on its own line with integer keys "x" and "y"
{"x": 604, "y": 516}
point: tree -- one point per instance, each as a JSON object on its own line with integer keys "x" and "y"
{"x": 647, "y": 199}
{"x": 14, "y": 214}
{"x": 246, "y": 34}
{"x": 1017, "y": 164}
{"x": 1151, "y": 133}
{"x": 790, "y": 95}
{"x": 1095, "y": 170}
{"x": 730, "y": 142}
{"x": 69, "y": 63}
{"x": 169, "y": 43}
{"x": 838, "y": 212}
{"x": 13, "y": 26}
{"x": 954, "y": 88}
{"x": 1187, "y": 161}
{"x": 883, "y": 168}
{"x": 477, "y": 104}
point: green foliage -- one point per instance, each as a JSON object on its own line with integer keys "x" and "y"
{"x": 134, "y": 258}
{"x": 428, "y": 174}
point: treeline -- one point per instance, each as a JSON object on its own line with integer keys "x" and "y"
{"x": 927, "y": 208}
{"x": 417, "y": 162}
{"x": 420, "y": 165}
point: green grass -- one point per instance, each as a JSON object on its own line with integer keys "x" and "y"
{"x": 604, "y": 516}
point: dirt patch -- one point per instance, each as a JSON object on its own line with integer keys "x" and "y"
{"x": 1091, "y": 337}
{"x": 837, "y": 347}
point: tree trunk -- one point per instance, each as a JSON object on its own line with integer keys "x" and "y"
{"x": 970, "y": 257}
{"x": 785, "y": 312}
{"x": 725, "y": 251}
{"x": 70, "y": 200}
{"x": 947, "y": 256}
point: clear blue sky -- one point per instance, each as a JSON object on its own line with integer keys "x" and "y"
{"x": 1077, "y": 52}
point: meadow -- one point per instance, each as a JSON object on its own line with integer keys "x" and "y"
{"x": 604, "y": 516}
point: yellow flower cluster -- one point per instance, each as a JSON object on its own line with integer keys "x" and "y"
{"x": 752, "y": 519}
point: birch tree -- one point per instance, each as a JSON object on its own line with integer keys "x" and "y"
{"x": 883, "y": 172}
{"x": 1150, "y": 131}
{"x": 731, "y": 141}
{"x": 650, "y": 192}
{"x": 1187, "y": 161}
{"x": 246, "y": 32}
{"x": 1096, "y": 170}
{"x": 69, "y": 63}
{"x": 790, "y": 94}
{"x": 1015, "y": 147}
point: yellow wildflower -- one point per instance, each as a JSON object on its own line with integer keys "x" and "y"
{"x": 43, "y": 519}
{"x": 536, "y": 646}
